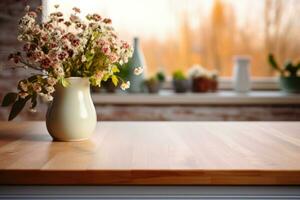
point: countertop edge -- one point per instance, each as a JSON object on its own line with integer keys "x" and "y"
{"x": 149, "y": 177}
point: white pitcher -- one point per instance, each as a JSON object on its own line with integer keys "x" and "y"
{"x": 72, "y": 115}
{"x": 241, "y": 74}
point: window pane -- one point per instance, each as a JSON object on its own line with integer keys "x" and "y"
{"x": 176, "y": 34}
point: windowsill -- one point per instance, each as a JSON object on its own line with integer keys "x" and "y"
{"x": 168, "y": 97}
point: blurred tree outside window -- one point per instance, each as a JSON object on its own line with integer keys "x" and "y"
{"x": 176, "y": 34}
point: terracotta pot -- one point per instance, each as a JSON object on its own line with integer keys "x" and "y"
{"x": 200, "y": 84}
{"x": 203, "y": 84}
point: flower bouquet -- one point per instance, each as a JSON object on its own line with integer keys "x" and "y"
{"x": 65, "y": 47}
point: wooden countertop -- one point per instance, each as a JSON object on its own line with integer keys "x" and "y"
{"x": 154, "y": 153}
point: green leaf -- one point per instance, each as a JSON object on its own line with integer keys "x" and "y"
{"x": 17, "y": 107}
{"x": 106, "y": 77}
{"x": 33, "y": 78}
{"x": 9, "y": 99}
{"x": 273, "y": 62}
{"x": 115, "y": 80}
{"x": 115, "y": 69}
{"x": 64, "y": 82}
{"x": 291, "y": 68}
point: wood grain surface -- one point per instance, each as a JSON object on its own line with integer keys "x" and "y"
{"x": 154, "y": 153}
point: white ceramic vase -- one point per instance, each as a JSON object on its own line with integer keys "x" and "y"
{"x": 241, "y": 74}
{"x": 72, "y": 116}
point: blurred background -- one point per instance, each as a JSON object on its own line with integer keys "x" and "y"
{"x": 227, "y": 41}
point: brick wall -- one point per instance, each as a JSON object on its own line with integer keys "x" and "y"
{"x": 10, "y": 13}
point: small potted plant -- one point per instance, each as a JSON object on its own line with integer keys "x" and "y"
{"x": 180, "y": 82}
{"x": 154, "y": 83}
{"x": 203, "y": 80}
{"x": 289, "y": 75}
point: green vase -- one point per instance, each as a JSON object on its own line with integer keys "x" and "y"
{"x": 137, "y": 60}
{"x": 290, "y": 84}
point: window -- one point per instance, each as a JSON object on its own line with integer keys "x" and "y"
{"x": 176, "y": 34}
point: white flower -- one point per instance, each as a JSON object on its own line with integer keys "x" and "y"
{"x": 27, "y": 8}
{"x": 36, "y": 87}
{"x": 44, "y": 72}
{"x": 83, "y": 58}
{"x": 23, "y": 86}
{"x": 125, "y": 86}
{"x": 138, "y": 70}
{"x": 47, "y": 97}
{"x": 32, "y": 110}
{"x": 20, "y": 38}
{"x": 23, "y": 95}
{"x": 50, "y": 89}
{"x": 197, "y": 71}
{"x": 59, "y": 71}
{"x": 51, "y": 81}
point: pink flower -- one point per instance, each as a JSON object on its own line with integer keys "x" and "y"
{"x": 100, "y": 42}
{"x": 36, "y": 87}
{"x": 77, "y": 10}
{"x": 75, "y": 42}
{"x": 15, "y": 57}
{"x": 52, "y": 45}
{"x": 70, "y": 52}
{"x": 106, "y": 49}
{"x": 36, "y": 55}
{"x": 67, "y": 23}
{"x": 26, "y": 47}
{"x": 113, "y": 57}
{"x": 125, "y": 45}
{"x": 48, "y": 26}
{"x": 32, "y": 14}
{"x": 74, "y": 18}
{"x": 57, "y": 14}
{"x": 23, "y": 95}
{"x": 96, "y": 17}
{"x": 44, "y": 38}
{"x": 107, "y": 21}
{"x": 62, "y": 55}
{"x": 46, "y": 63}
{"x": 99, "y": 75}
